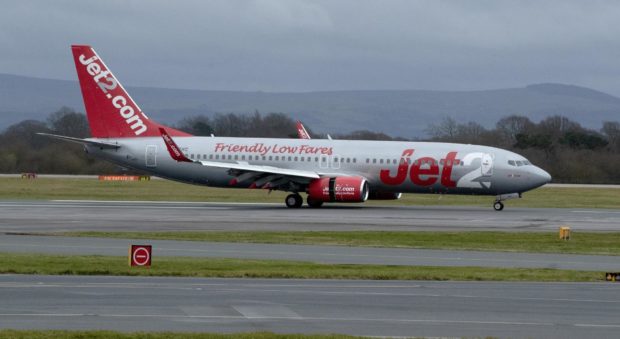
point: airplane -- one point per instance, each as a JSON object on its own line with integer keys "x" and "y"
{"x": 303, "y": 134}
{"x": 301, "y": 131}
{"x": 326, "y": 170}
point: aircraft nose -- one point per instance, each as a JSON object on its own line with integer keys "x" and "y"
{"x": 541, "y": 176}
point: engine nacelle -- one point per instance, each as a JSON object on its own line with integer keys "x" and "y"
{"x": 375, "y": 195}
{"x": 339, "y": 189}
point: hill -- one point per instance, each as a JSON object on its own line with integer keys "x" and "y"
{"x": 404, "y": 113}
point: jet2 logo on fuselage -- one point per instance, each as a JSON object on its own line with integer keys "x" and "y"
{"x": 425, "y": 171}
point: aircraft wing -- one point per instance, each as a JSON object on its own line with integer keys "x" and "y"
{"x": 263, "y": 176}
{"x": 97, "y": 143}
{"x": 244, "y": 166}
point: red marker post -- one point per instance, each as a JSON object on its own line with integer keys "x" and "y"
{"x": 140, "y": 255}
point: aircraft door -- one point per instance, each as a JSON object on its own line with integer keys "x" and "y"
{"x": 324, "y": 161}
{"x": 151, "y": 156}
{"x": 486, "y": 165}
{"x": 335, "y": 162}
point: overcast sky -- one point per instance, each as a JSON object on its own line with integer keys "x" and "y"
{"x": 295, "y": 45}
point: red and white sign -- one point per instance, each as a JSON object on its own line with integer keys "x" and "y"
{"x": 140, "y": 255}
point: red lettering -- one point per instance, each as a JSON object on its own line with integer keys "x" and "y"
{"x": 446, "y": 173}
{"x": 401, "y": 173}
{"x": 429, "y": 172}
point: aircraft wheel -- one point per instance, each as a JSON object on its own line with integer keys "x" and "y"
{"x": 293, "y": 200}
{"x": 314, "y": 203}
{"x": 498, "y": 206}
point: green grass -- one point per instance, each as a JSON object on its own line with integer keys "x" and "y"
{"x": 535, "y": 242}
{"x": 57, "y": 334}
{"x": 240, "y": 268}
{"x": 49, "y": 188}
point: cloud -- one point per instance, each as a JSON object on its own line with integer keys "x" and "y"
{"x": 296, "y": 45}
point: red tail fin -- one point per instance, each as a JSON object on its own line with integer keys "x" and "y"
{"x": 111, "y": 112}
{"x": 301, "y": 131}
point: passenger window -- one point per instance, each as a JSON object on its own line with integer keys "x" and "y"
{"x": 295, "y": 158}
{"x": 367, "y": 160}
{"x": 380, "y": 161}
{"x": 211, "y": 156}
{"x": 277, "y": 157}
{"x": 217, "y": 156}
{"x": 236, "y": 157}
{"x": 243, "y": 157}
{"x": 270, "y": 158}
{"x": 354, "y": 160}
{"x": 348, "y": 160}
{"x": 316, "y": 159}
{"x": 374, "y": 161}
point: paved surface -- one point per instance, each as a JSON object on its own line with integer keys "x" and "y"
{"x": 55, "y": 216}
{"x": 323, "y": 254}
{"x": 395, "y": 308}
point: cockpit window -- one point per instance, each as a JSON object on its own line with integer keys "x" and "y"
{"x": 511, "y": 162}
{"x": 526, "y": 162}
{"x": 519, "y": 163}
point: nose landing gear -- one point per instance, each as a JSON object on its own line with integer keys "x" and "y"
{"x": 498, "y": 205}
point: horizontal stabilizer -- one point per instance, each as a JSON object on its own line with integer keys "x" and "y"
{"x": 97, "y": 143}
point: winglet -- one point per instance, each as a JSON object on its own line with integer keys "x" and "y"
{"x": 301, "y": 131}
{"x": 173, "y": 149}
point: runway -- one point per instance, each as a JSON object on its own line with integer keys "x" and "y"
{"x": 59, "y": 216}
{"x": 370, "y": 308}
{"x": 320, "y": 254}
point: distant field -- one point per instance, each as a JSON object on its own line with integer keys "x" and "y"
{"x": 64, "y": 188}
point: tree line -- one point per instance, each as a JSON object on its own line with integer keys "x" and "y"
{"x": 570, "y": 152}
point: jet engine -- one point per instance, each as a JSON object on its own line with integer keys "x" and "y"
{"x": 338, "y": 189}
{"x": 376, "y": 195}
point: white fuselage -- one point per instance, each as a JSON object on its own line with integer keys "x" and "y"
{"x": 388, "y": 166}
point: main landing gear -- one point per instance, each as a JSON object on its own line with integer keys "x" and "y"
{"x": 293, "y": 200}
{"x": 313, "y": 203}
{"x": 498, "y": 206}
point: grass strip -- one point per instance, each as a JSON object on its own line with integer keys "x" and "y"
{"x": 92, "y": 189}
{"x": 60, "y": 334}
{"x": 242, "y": 268}
{"x": 533, "y": 242}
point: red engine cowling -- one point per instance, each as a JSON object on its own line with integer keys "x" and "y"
{"x": 339, "y": 189}
{"x": 374, "y": 195}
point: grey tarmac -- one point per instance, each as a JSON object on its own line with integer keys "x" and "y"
{"x": 372, "y": 308}
{"x": 59, "y": 216}
{"x": 321, "y": 254}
